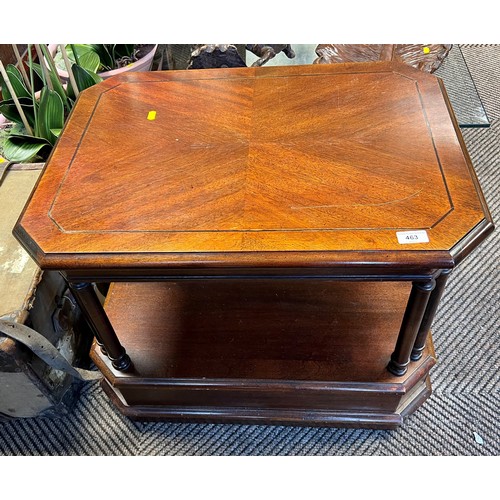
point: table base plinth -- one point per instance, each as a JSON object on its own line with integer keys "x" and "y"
{"x": 310, "y": 415}
{"x": 263, "y": 352}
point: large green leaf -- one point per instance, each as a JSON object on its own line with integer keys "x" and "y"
{"x": 9, "y": 110}
{"x": 71, "y": 92}
{"x": 90, "y": 61}
{"x": 50, "y": 115}
{"x": 21, "y": 148}
{"x": 54, "y": 78}
{"x": 17, "y": 82}
{"x": 87, "y": 58}
{"x": 84, "y": 79}
{"x": 105, "y": 55}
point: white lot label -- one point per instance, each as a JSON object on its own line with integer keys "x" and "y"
{"x": 406, "y": 237}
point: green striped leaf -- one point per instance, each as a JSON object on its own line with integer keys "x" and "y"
{"x": 84, "y": 79}
{"x": 17, "y": 82}
{"x": 9, "y": 109}
{"x": 87, "y": 58}
{"x": 105, "y": 56}
{"x": 21, "y": 148}
{"x": 56, "y": 83}
{"x": 50, "y": 114}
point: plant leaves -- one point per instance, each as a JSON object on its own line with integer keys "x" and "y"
{"x": 21, "y": 148}
{"x": 9, "y": 110}
{"x": 105, "y": 55}
{"x": 90, "y": 61}
{"x": 17, "y": 82}
{"x": 56, "y": 131}
{"x": 84, "y": 79}
{"x": 87, "y": 58}
{"x": 54, "y": 76}
{"x": 122, "y": 50}
{"x": 109, "y": 53}
{"x": 70, "y": 91}
{"x": 3, "y": 88}
{"x": 37, "y": 69}
{"x": 56, "y": 83}
{"x": 50, "y": 114}
{"x": 17, "y": 129}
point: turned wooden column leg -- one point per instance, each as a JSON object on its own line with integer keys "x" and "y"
{"x": 98, "y": 340}
{"x": 412, "y": 319}
{"x": 429, "y": 314}
{"x": 100, "y": 324}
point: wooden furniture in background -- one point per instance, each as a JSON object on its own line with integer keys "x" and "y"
{"x": 278, "y": 238}
{"x": 423, "y": 57}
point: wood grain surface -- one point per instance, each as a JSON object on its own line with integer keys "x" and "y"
{"x": 260, "y": 329}
{"x": 328, "y": 159}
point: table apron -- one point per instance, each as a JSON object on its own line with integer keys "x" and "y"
{"x": 252, "y": 274}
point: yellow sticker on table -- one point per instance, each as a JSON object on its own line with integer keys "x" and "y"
{"x": 426, "y": 50}
{"x": 152, "y": 115}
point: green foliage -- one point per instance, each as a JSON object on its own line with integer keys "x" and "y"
{"x": 21, "y": 148}
{"x": 85, "y": 78}
{"x": 110, "y": 53}
{"x": 95, "y": 58}
{"x": 51, "y": 115}
{"x": 16, "y": 80}
{"x": 9, "y": 110}
{"x": 56, "y": 84}
{"x": 45, "y": 113}
{"x": 87, "y": 58}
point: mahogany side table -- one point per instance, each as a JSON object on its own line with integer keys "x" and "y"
{"x": 277, "y": 238}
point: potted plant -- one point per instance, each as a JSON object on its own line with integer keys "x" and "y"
{"x": 106, "y": 60}
{"x": 38, "y": 114}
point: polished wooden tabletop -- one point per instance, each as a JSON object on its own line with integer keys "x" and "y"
{"x": 318, "y": 165}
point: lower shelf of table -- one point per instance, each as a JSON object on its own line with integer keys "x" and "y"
{"x": 298, "y": 352}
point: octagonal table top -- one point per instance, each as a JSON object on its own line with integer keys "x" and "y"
{"x": 308, "y": 166}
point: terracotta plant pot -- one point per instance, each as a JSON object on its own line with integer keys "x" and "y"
{"x": 143, "y": 64}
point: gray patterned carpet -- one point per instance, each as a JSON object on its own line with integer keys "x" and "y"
{"x": 460, "y": 418}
